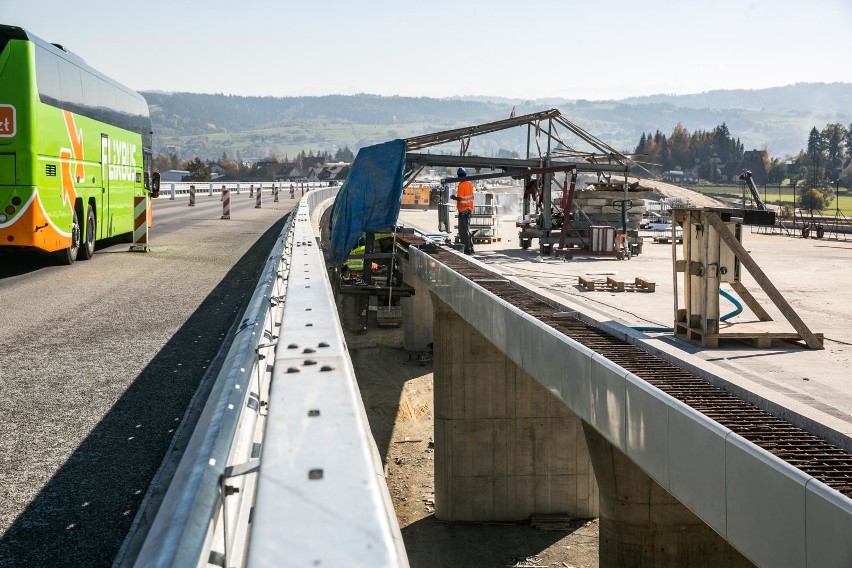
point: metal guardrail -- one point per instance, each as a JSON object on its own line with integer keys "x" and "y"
{"x": 282, "y": 450}
{"x": 169, "y": 190}
{"x": 321, "y": 478}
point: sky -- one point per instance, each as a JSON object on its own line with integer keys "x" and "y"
{"x": 523, "y": 49}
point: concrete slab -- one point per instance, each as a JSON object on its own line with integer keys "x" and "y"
{"x": 811, "y": 388}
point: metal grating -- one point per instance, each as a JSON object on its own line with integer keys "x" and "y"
{"x": 816, "y": 457}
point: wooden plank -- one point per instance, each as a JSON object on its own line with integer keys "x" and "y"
{"x": 587, "y": 283}
{"x": 676, "y": 263}
{"x": 617, "y": 285}
{"x": 750, "y": 301}
{"x": 777, "y": 298}
{"x": 709, "y": 291}
{"x": 646, "y": 284}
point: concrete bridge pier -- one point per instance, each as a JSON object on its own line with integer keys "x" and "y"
{"x": 417, "y": 319}
{"x": 641, "y": 524}
{"x": 505, "y": 447}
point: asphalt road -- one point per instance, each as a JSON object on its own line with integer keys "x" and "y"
{"x": 98, "y": 362}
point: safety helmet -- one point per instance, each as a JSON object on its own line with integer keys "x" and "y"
{"x": 460, "y": 172}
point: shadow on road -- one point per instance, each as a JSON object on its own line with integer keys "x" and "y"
{"x": 17, "y": 262}
{"x": 82, "y": 515}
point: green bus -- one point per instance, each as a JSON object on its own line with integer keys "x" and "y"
{"x": 75, "y": 150}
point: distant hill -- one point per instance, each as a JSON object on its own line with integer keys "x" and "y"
{"x": 208, "y": 125}
{"x": 822, "y": 98}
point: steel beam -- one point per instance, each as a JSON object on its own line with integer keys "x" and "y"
{"x": 507, "y": 164}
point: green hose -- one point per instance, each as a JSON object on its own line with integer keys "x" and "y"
{"x": 738, "y": 307}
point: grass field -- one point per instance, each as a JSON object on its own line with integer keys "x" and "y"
{"x": 776, "y": 195}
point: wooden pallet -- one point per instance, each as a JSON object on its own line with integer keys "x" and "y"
{"x": 486, "y": 240}
{"x": 754, "y": 337}
{"x": 610, "y": 284}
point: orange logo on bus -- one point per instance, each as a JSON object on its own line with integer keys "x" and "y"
{"x": 7, "y": 121}
{"x": 76, "y": 144}
{"x": 71, "y": 157}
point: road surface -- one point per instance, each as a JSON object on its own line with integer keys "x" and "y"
{"x": 98, "y": 363}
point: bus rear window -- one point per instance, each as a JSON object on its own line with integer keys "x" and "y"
{"x": 47, "y": 77}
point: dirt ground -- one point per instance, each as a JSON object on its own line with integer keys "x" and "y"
{"x": 397, "y": 391}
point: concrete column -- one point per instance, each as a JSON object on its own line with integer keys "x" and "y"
{"x": 505, "y": 447}
{"x": 417, "y": 319}
{"x": 353, "y": 309}
{"x": 641, "y": 524}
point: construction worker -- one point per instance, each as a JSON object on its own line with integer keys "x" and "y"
{"x": 464, "y": 205}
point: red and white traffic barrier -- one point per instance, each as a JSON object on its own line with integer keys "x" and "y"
{"x": 275, "y": 193}
{"x": 251, "y": 191}
{"x": 192, "y": 196}
{"x": 226, "y": 203}
{"x": 259, "y": 197}
{"x": 140, "y": 224}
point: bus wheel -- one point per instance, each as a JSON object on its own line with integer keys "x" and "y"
{"x": 88, "y": 248}
{"x": 69, "y": 255}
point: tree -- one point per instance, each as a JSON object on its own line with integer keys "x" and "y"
{"x": 640, "y": 148}
{"x": 163, "y": 162}
{"x": 833, "y": 136}
{"x": 848, "y": 142}
{"x": 678, "y": 145}
{"x": 198, "y": 171}
{"x": 344, "y": 155}
{"x": 777, "y": 171}
{"x": 815, "y": 158}
{"x": 652, "y": 152}
{"x": 665, "y": 154}
{"x": 813, "y": 199}
{"x": 709, "y": 171}
{"x": 722, "y": 143}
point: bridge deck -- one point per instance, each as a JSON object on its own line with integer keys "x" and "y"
{"x": 825, "y": 462}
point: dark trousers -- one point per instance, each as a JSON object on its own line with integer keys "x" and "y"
{"x": 464, "y": 231}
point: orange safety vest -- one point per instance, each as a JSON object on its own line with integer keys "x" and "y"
{"x": 465, "y": 196}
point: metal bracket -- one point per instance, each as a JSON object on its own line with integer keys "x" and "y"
{"x": 237, "y": 470}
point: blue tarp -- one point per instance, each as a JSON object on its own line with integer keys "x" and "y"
{"x": 370, "y": 197}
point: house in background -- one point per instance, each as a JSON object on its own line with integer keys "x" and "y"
{"x": 289, "y": 173}
{"x": 334, "y": 172}
{"x": 753, "y": 161}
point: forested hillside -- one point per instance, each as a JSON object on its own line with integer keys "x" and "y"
{"x": 252, "y": 128}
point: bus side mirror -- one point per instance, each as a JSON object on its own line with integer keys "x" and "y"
{"x": 155, "y": 184}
